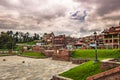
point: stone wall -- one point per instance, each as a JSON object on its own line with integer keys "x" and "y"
{"x": 112, "y": 74}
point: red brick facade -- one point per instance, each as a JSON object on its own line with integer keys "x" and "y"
{"x": 59, "y": 42}
{"x": 61, "y": 55}
{"x": 38, "y": 49}
{"x": 49, "y": 53}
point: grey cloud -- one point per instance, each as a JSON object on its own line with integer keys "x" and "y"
{"x": 103, "y": 7}
{"x": 115, "y": 17}
{"x": 62, "y": 32}
{"x": 93, "y": 30}
{"x": 83, "y": 30}
{"x": 29, "y": 10}
{"x": 107, "y": 6}
{"x": 41, "y": 16}
{"x": 86, "y": 1}
{"x": 7, "y": 26}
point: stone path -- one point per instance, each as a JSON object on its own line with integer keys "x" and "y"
{"x": 32, "y": 69}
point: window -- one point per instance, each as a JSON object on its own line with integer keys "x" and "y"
{"x": 110, "y": 41}
{"x": 115, "y": 40}
{"x": 106, "y": 41}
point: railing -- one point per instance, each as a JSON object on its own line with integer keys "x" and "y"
{"x": 5, "y": 52}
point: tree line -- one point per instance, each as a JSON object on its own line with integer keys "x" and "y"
{"x": 9, "y": 39}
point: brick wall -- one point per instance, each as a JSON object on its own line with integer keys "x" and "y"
{"x": 112, "y": 74}
{"x": 108, "y": 65}
{"x": 61, "y": 55}
{"x": 38, "y": 49}
{"x": 79, "y": 61}
{"x": 49, "y": 53}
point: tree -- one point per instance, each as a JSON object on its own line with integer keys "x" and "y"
{"x": 16, "y": 36}
{"x": 6, "y": 41}
{"x": 36, "y": 36}
{"x": 21, "y": 36}
{"x": 27, "y": 36}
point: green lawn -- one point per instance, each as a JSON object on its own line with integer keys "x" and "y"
{"x": 28, "y": 43}
{"x": 18, "y": 48}
{"x": 33, "y": 54}
{"x": 105, "y": 53}
{"x": 82, "y": 71}
{"x": 87, "y": 69}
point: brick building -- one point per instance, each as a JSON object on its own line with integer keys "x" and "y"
{"x": 89, "y": 41}
{"x": 48, "y": 39}
{"x": 70, "y": 42}
{"x": 112, "y": 37}
{"x": 59, "y": 42}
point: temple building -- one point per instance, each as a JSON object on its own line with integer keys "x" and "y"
{"x": 59, "y": 42}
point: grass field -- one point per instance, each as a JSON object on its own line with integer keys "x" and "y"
{"x": 18, "y": 48}
{"x": 82, "y": 71}
{"x": 105, "y": 53}
{"x": 4, "y": 55}
{"x": 87, "y": 69}
{"x": 28, "y": 43}
{"x": 33, "y": 54}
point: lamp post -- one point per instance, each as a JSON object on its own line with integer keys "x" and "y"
{"x": 119, "y": 41}
{"x": 96, "y": 55}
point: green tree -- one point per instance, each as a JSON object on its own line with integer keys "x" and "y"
{"x": 6, "y": 41}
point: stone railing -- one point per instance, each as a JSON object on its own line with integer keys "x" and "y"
{"x": 6, "y": 52}
{"x": 57, "y": 77}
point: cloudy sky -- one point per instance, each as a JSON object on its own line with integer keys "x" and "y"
{"x": 71, "y": 17}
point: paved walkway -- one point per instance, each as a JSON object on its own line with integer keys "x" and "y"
{"x": 32, "y": 69}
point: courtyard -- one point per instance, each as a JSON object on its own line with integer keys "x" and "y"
{"x": 22, "y": 68}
